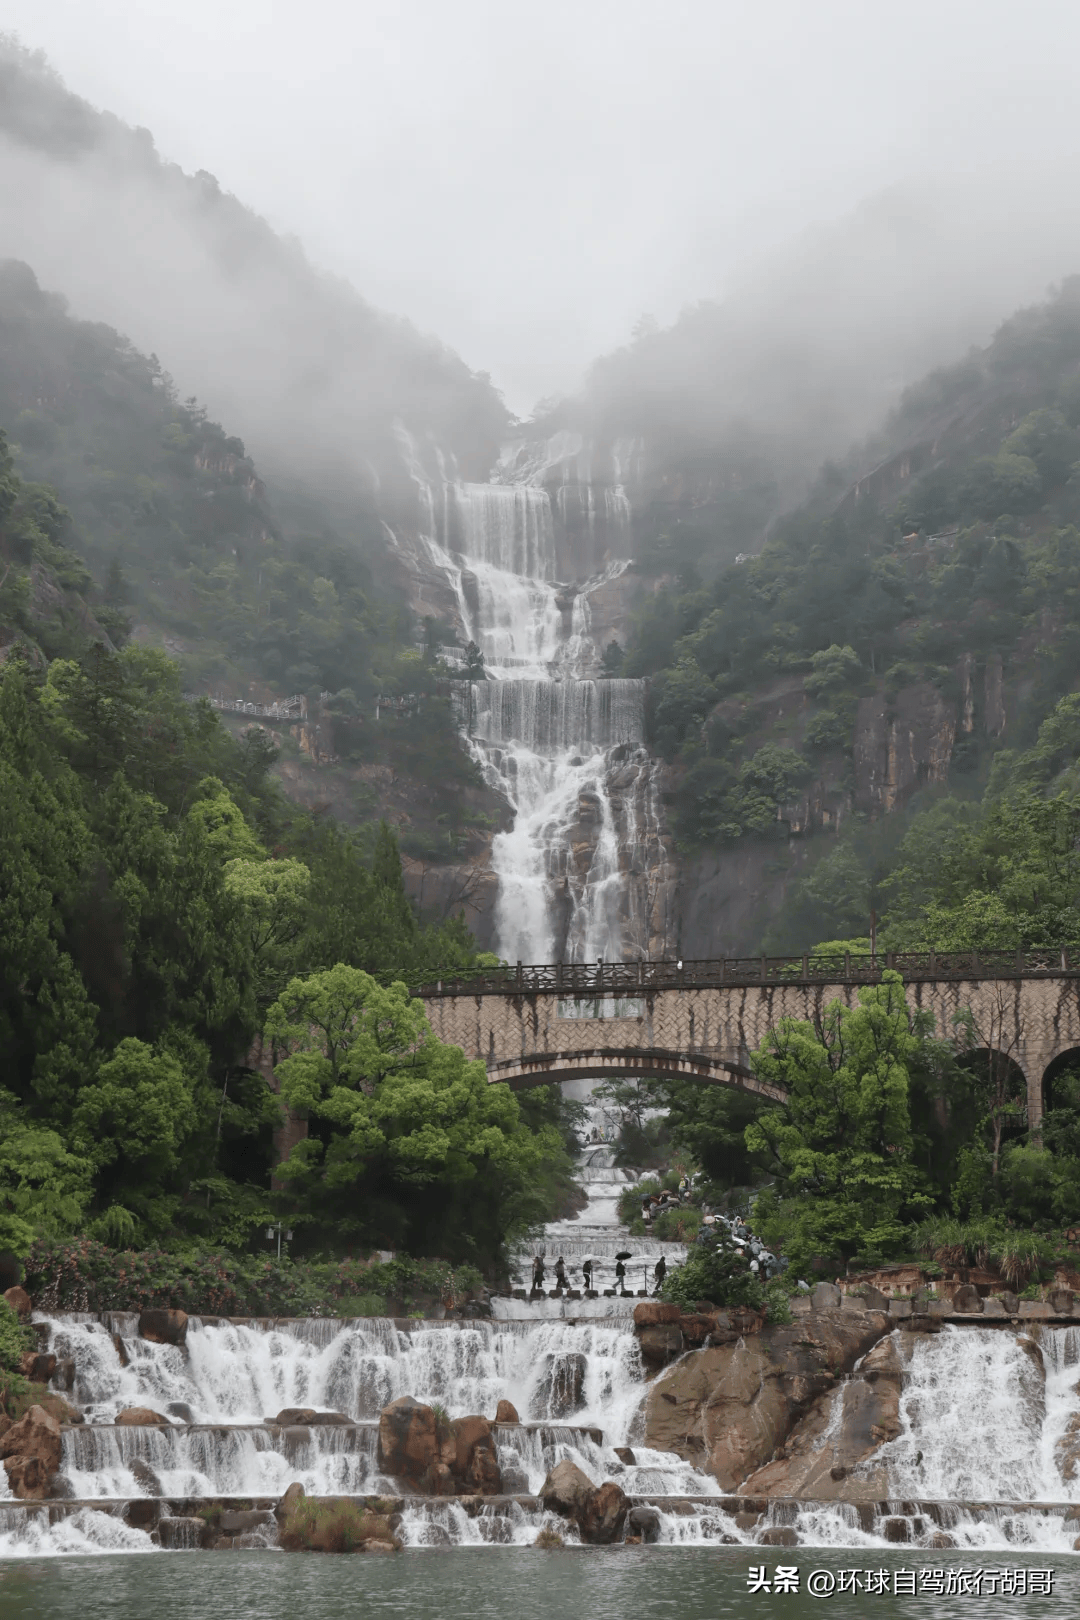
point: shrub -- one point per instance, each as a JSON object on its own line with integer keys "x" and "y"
{"x": 716, "y": 1274}
{"x": 84, "y": 1275}
{"x": 15, "y": 1339}
{"x": 549, "y": 1538}
{"x": 337, "y": 1526}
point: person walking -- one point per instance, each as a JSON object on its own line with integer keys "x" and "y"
{"x": 586, "y": 1272}
{"x": 538, "y": 1273}
{"x": 560, "y": 1273}
{"x": 620, "y": 1277}
{"x": 659, "y": 1273}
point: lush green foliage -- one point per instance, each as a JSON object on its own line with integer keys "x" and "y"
{"x": 83, "y": 1275}
{"x": 145, "y": 930}
{"x": 15, "y": 1339}
{"x": 443, "y": 1158}
{"x": 841, "y": 1145}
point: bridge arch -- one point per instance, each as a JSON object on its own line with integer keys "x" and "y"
{"x": 1064, "y": 1063}
{"x": 597, "y": 1063}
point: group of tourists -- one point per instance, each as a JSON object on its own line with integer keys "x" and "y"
{"x": 653, "y": 1204}
{"x": 732, "y": 1231}
{"x": 564, "y": 1278}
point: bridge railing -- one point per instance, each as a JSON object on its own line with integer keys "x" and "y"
{"x": 582, "y": 980}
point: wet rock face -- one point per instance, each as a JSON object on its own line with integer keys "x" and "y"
{"x": 31, "y": 1453}
{"x": 728, "y": 1408}
{"x": 598, "y": 1511}
{"x": 818, "y": 1456}
{"x": 408, "y": 1438}
{"x": 474, "y": 1463}
{"x": 163, "y": 1327}
{"x": 561, "y": 1391}
{"x": 604, "y": 1515}
{"x": 506, "y": 1412}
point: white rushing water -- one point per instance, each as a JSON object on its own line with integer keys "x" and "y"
{"x": 577, "y": 870}
{"x": 980, "y": 1424}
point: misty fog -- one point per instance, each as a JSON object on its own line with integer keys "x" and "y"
{"x": 830, "y": 234}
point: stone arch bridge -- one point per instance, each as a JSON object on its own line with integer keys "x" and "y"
{"x": 701, "y": 1020}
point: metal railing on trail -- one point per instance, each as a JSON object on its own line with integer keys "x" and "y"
{"x": 585, "y": 979}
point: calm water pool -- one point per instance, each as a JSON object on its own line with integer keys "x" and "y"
{"x": 629, "y": 1583}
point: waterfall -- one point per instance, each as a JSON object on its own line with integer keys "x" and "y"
{"x": 991, "y": 1414}
{"x": 581, "y": 870}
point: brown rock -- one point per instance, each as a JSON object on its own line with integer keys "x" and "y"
{"x": 506, "y": 1412}
{"x": 38, "y": 1368}
{"x": 659, "y": 1345}
{"x": 438, "y": 1480}
{"x": 163, "y": 1327}
{"x": 475, "y": 1461}
{"x": 290, "y": 1416}
{"x": 746, "y": 1521}
{"x": 375, "y": 1545}
{"x": 408, "y": 1438}
{"x": 730, "y": 1408}
{"x": 19, "y": 1300}
{"x": 566, "y": 1489}
{"x": 655, "y": 1313}
{"x": 603, "y": 1516}
{"x": 896, "y": 1530}
{"x": 778, "y": 1535}
{"x": 942, "y": 1539}
{"x": 968, "y": 1299}
{"x": 625, "y": 1455}
{"x": 140, "y": 1417}
{"x": 31, "y": 1451}
{"x": 294, "y": 1495}
{"x": 1061, "y": 1301}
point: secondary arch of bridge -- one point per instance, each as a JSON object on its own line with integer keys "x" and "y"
{"x": 536, "y": 1036}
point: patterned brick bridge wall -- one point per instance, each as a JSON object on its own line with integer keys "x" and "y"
{"x": 530, "y": 1030}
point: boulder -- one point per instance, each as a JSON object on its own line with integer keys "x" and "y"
{"x": 660, "y": 1344}
{"x": 602, "y": 1518}
{"x": 38, "y": 1368}
{"x": 874, "y": 1299}
{"x": 140, "y": 1417}
{"x": 19, "y": 1300}
{"x": 566, "y": 1489}
{"x": 625, "y": 1455}
{"x": 778, "y": 1535}
{"x": 294, "y": 1495}
{"x": 655, "y": 1313}
{"x": 408, "y": 1438}
{"x": 290, "y": 1416}
{"x": 896, "y": 1530}
{"x": 645, "y": 1521}
{"x": 967, "y": 1299}
{"x": 438, "y": 1480}
{"x": 506, "y": 1412}
{"x": 475, "y": 1462}
{"x": 163, "y": 1327}
{"x": 328, "y": 1419}
{"x": 1010, "y": 1301}
{"x": 825, "y": 1297}
{"x": 241, "y": 1521}
{"x": 31, "y": 1452}
{"x": 993, "y": 1307}
{"x": 1061, "y": 1301}
{"x": 145, "y": 1477}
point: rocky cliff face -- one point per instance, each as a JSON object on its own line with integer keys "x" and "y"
{"x": 731, "y": 1409}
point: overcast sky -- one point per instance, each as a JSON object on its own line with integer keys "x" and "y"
{"x": 526, "y": 180}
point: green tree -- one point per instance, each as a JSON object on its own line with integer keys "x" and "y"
{"x": 411, "y": 1144}
{"x": 841, "y": 1145}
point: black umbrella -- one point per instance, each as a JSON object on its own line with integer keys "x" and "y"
{"x": 624, "y": 1254}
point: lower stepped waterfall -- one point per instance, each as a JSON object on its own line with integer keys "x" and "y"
{"x": 986, "y": 1457}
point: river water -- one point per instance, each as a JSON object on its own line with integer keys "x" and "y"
{"x": 624, "y": 1583}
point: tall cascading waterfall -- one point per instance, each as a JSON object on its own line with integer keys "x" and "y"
{"x": 583, "y": 871}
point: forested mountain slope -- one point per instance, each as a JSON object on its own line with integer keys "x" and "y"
{"x": 166, "y": 532}
{"x": 881, "y": 661}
